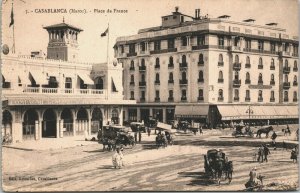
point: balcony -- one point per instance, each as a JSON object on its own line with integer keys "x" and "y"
{"x": 201, "y": 63}
{"x": 183, "y": 82}
{"x": 286, "y": 99}
{"x": 131, "y": 54}
{"x": 142, "y": 99}
{"x": 295, "y": 83}
{"x": 157, "y": 99}
{"x": 170, "y": 66}
{"x": 170, "y": 99}
{"x": 220, "y": 63}
{"x": 131, "y": 98}
{"x": 183, "y": 66}
{"x": 295, "y": 54}
{"x": 272, "y": 82}
{"x": 272, "y": 67}
{"x": 284, "y": 54}
{"x": 237, "y": 66}
{"x": 286, "y": 85}
{"x": 163, "y": 51}
{"x": 272, "y": 99}
{"x": 199, "y": 47}
{"x": 260, "y": 66}
{"x": 122, "y": 55}
{"x": 260, "y": 82}
{"x": 286, "y": 70}
{"x": 143, "y": 52}
{"x": 131, "y": 84}
{"x": 183, "y": 99}
{"x": 157, "y": 66}
{"x": 142, "y": 84}
{"x": 200, "y": 98}
{"x": 260, "y": 99}
{"x": 236, "y": 99}
{"x": 295, "y": 100}
{"x": 220, "y": 80}
{"x": 157, "y": 82}
{"x": 185, "y": 48}
{"x": 142, "y": 68}
{"x": 234, "y": 49}
{"x": 200, "y": 80}
{"x": 295, "y": 69}
{"x": 171, "y": 81}
{"x": 247, "y": 65}
{"x": 220, "y": 99}
{"x": 247, "y": 99}
{"x": 132, "y": 68}
{"x": 236, "y": 83}
{"x": 39, "y": 90}
{"x": 247, "y": 81}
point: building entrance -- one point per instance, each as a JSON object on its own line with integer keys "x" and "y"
{"x": 49, "y": 124}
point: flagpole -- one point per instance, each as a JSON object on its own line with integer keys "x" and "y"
{"x": 107, "y": 43}
{"x": 13, "y": 48}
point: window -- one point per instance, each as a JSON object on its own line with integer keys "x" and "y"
{"x": 221, "y": 41}
{"x": 184, "y": 41}
{"x": 122, "y": 49}
{"x": 272, "y": 64}
{"x": 260, "y": 45}
{"x": 272, "y": 77}
{"x": 236, "y": 59}
{"x": 295, "y": 78}
{"x": 171, "y": 43}
{"x": 260, "y": 94}
{"x": 286, "y": 47}
{"x": 68, "y": 83}
{"x": 131, "y": 48}
{"x": 143, "y": 46}
{"x": 171, "y": 61}
{"x": 201, "y": 75}
{"x": 247, "y": 94}
{"x": 248, "y": 44}
{"x": 220, "y": 63}
{"x": 272, "y": 94}
{"x": 157, "y": 63}
{"x": 115, "y": 116}
{"x": 200, "y": 93}
{"x": 143, "y": 62}
{"x": 143, "y": 77}
{"x": 170, "y": 94}
{"x": 236, "y": 94}
{"x": 200, "y": 40}
{"x": 174, "y": 17}
{"x": 131, "y": 78}
{"x": 220, "y": 75}
{"x": 286, "y": 96}
{"x": 157, "y": 45}
{"x": 132, "y": 95}
{"x": 295, "y": 66}
{"x": 184, "y": 59}
{"x": 260, "y": 80}
{"x": 236, "y": 75}
{"x": 157, "y": 94}
{"x": 295, "y": 96}
{"x": 220, "y": 94}
{"x": 201, "y": 61}
{"x": 286, "y": 78}
{"x": 247, "y": 76}
{"x": 171, "y": 76}
{"x": 132, "y": 64}
{"x": 247, "y": 60}
{"x": 165, "y": 18}
{"x": 183, "y": 94}
{"x": 260, "y": 61}
{"x": 272, "y": 47}
{"x": 286, "y": 63}
{"x": 183, "y": 75}
{"x": 143, "y": 94}
{"x": 156, "y": 77}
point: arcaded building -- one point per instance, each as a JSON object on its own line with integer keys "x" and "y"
{"x": 209, "y": 70}
{"x": 56, "y": 96}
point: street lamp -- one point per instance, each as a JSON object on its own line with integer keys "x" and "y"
{"x": 249, "y": 111}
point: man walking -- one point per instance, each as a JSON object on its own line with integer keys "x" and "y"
{"x": 260, "y": 154}
{"x": 273, "y": 137}
{"x": 266, "y": 153}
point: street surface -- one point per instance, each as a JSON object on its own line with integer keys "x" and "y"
{"x": 176, "y": 168}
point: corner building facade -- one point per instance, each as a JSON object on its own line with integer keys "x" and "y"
{"x": 210, "y": 70}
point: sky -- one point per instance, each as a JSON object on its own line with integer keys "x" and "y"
{"x": 30, "y": 35}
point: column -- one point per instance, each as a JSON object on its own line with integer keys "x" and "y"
{"x": 164, "y": 115}
{"x": 49, "y": 35}
{"x": 126, "y": 114}
{"x": 146, "y": 46}
{"x": 57, "y": 128}
{"x": 151, "y": 112}
{"x": 188, "y": 40}
{"x": 121, "y": 116}
{"x": 75, "y": 125}
{"x": 36, "y": 130}
{"x": 40, "y": 128}
{"x": 61, "y": 128}
{"x": 138, "y": 116}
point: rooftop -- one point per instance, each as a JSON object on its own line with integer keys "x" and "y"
{"x": 62, "y": 25}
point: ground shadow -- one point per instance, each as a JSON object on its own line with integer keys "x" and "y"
{"x": 199, "y": 178}
{"x": 149, "y": 146}
{"x": 106, "y": 167}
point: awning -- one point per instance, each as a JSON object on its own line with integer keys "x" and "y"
{"x": 86, "y": 79}
{"x": 55, "y": 74}
{"x": 164, "y": 126}
{"x": 230, "y": 112}
{"x": 8, "y": 76}
{"x": 191, "y": 111}
{"x": 117, "y": 80}
{"x": 24, "y": 77}
{"x": 39, "y": 77}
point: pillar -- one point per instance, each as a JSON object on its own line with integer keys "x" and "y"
{"x": 75, "y": 125}
{"x": 61, "y": 128}
{"x": 44, "y": 126}
{"x": 57, "y": 128}
{"x": 36, "y": 130}
{"x": 138, "y": 116}
{"x": 151, "y": 112}
{"x": 126, "y": 114}
{"x": 188, "y": 40}
{"x": 164, "y": 115}
{"x": 40, "y": 128}
{"x": 121, "y": 116}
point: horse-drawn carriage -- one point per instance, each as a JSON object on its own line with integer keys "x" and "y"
{"x": 216, "y": 165}
{"x": 240, "y": 133}
{"x": 137, "y": 127}
{"x": 113, "y": 136}
{"x": 165, "y": 135}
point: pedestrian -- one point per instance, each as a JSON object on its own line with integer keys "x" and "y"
{"x": 117, "y": 159}
{"x": 260, "y": 154}
{"x": 194, "y": 131}
{"x": 201, "y": 130}
{"x": 294, "y": 155}
{"x": 135, "y": 136}
{"x": 284, "y": 146}
{"x": 273, "y": 137}
{"x": 149, "y": 131}
{"x": 266, "y": 153}
{"x": 252, "y": 178}
{"x": 140, "y": 136}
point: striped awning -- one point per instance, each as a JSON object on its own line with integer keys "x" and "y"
{"x": 8, "y": 76}
{"x": 24, "y": 77}
{"x": 191, "y": 111}
{"x": 86, "y": 79}
{"x": 39, "y": 77}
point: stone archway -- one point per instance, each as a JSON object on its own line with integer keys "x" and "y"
{"x": 97, "y": 120}
{"x": 29, "y": 119}
{"x": 6, "y": 124}
{"x": 49, "y": 124}
{"x": 68, "y": 125}
{"x": 82, "y": 121}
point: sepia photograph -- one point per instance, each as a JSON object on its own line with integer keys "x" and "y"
{"x": 150, "y": 95}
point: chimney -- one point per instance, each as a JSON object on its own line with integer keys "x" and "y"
{"x": 176, "y": 9}
{"x": 196, "y": 11}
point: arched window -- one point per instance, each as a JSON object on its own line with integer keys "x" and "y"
{"x": 286, "y": 78}
{"x": 201, "y": 61}
{"x": 260, "y": 62}
{"x": 272, "y": 62}
{"x": 272, "y": 77}
{"x": 236, "y": 93}
{"x": 295, "y": 65}
{"x": 286, "y": 63}
{"x": 247, "y": 60}
{"x": 295, "y": 78}
{"x": 183, "y": 75}
{"x": 171, "y": 60}
{"x": 272, "y": 94}
{"x": 295, "y": 96}
{"x": 132, "y": 95}
{"x": 143, "y": 77}
{"x": 260, "y": 95}
{"x": 220, "y": 93}
{"x": 132, "y": 64}
{"x": 156, "y": 77}
{"x": 143, "y": 62}
{"x": 286, "y": 95}
{"x": 260, "y": 77}
{"x": 131, "y": 78}
{"x": 157, "y": 62}
{"x": 200, "y": 75}
{"x": 236, "y": 59}
{"x": 247, "y": 76}
{"x": 220, "y": 75}
{"x": 171, "y": 76}
{"x": 236, "y": 75}
{"x": 183, "y": 59}
{"x": 220, "y": 58}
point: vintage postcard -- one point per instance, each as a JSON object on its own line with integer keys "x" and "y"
{"x": 137, "y": 95}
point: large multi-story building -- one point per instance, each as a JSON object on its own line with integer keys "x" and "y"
{"x": 207, "y": 69}
{"x": 55, "y": 96}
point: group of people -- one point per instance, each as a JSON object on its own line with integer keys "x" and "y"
{"x": 263, "y": 153}
{"x": 118, "y": 158}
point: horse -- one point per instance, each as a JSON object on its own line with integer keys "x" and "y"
{"x": 217, "y": 169}
{"x": 111, "y": 144}
{"x": 265, "y": 130}
{"x": 161, "y": 141}
{"x": 228, "y": 171}
{"x": 286, "y": 131}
